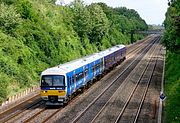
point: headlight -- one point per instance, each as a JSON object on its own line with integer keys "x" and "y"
{"x": 44, "y": 91}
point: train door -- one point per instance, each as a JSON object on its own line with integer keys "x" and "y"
{"x": 70, "y": 83}
{"x": 94, "y": 69}
{"x": 74, "y": 81}
{"x": 98, "y": 67}
{"x": 101, "y": 65}
{"x": 90, "y": 72}
{"x": 85, "y": 74}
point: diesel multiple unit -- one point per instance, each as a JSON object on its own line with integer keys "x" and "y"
{"x": 59, "y": 83}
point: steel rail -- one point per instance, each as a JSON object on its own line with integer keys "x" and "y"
{"x": 104, "y": 106}
{"x": 144, "y": 93}
{"x": 11, "y": 116}
{"x": 83, "y": 112}
{"x": 130, "y": 96}
{"x": 132, "y": 47}
{"x": 35, "y": 115}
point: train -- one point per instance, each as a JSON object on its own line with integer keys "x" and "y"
{"x": 58, "y": 84}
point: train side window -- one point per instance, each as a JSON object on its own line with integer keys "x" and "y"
{"x": 86, "y": 72}
{"x": 73, "y": 79}
{"x": 79, "y": 76}
{"x": 97, "y": 66}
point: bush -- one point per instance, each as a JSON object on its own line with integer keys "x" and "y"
{"x": 4, "y": 81}
{"x": 9, "y": 18}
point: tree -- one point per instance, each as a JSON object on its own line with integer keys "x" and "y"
{"x": 9, "y": 18}
{"x": 99, "y": 23}
{"x": 172, "y": 27}
{"x": 81, "y": 18}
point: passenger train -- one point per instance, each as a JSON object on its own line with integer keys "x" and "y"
{"x": 59, "y": 83}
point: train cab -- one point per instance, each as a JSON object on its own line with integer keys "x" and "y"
{"x": 53, "y": 87}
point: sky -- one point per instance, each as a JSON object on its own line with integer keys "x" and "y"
{"x": 152, "y": 11}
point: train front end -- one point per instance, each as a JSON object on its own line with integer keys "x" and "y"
{"x": 53, "y": 87}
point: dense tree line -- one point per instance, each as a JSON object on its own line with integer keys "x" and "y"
{"x": 172, "y": 27}
{"x": 172, "y": 71}
{"x": 37, "y": 34}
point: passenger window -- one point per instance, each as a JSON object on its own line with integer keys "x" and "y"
{"x": 86, "y": 72}
{"x": 73, "y": 79}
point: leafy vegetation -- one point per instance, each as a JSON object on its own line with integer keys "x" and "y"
{"x": 172, "y": 76}
{"x": 172, "y": 25}
{"x": 172, "y": 88}
{"x": 37, "y": 34}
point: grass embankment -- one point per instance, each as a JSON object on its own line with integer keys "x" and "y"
{"x": 172, "y": 88}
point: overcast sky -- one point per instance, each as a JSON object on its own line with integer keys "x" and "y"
{"x": 152, "y": 11}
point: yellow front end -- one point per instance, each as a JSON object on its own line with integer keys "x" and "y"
{"x": 61, "y": 93}
{"x": 54, "y": 97}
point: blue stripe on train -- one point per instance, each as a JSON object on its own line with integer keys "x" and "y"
{"x": 52, "y": 88}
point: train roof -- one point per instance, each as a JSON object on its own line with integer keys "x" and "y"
{"x": 111, "y": 50}
{"x": 62, "y": 69}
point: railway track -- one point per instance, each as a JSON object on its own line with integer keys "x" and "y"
{"x": 80, "y": 112}
{"x": 52, "y": 112}
{"x": 130, "y": 112}
{"x": 131, "y": 48}
{"x": 46, "y": 111}
{"x": 150, "y": 106}
{"x": 96, "y": 107}
{"x": 33, "y": 118}
{"x": 17, "y": 110}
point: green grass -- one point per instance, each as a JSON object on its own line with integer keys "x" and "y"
{"x": 172, "y": 88}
